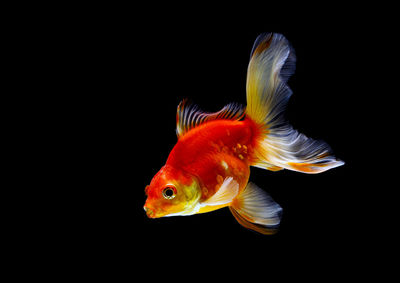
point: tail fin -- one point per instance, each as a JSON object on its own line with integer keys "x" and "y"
{"x": 279, "y": 146}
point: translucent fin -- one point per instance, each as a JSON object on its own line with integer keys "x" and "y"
{"x": 272, "y": 63}
{"x": 225, "y": 194}
{"x": 265, "y": 165}
{"x": 189, "y": 116}
{"x": 256, "y": 210}
{"x": 292, "y": 150}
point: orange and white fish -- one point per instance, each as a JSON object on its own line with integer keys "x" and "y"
{"x": 209, "y": 166}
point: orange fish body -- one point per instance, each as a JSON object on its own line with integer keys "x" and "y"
{"x": 214, "y": 151}
{"x": 209, "y": 167}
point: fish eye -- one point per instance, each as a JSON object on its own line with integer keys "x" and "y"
{"x": 169, "y": 192}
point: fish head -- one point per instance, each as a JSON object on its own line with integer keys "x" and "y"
{"x": 172, "y": 192}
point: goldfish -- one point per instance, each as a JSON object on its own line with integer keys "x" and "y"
{"x": 209, "y": 166}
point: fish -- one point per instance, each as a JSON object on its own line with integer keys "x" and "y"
{"x": 209, "y": 166}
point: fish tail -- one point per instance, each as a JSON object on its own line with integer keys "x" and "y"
{"x": 277, "y": 144}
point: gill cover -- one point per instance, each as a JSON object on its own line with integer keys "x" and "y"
{"x": 188, "y": 203}
{"x": 181, "y": 201}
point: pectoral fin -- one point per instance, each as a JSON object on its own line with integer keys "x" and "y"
{"x": 225, "y": 194}
{"x": 256, "y": 210}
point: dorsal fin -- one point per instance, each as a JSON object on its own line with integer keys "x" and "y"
{"x": 189, "y": 116}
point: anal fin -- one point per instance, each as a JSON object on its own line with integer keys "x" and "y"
{"x": 256, "y": 210}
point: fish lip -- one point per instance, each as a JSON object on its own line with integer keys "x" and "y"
{"x": 151, "y": 213}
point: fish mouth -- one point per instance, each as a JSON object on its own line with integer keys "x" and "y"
{"x": 151, "y": 213}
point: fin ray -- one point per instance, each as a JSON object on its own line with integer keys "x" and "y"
{"x": 293, "y": 150}
{"x": 189, "y": 116}
{"x": 252, "y": 226}
{"x": 279, "y": 145}
{"x": 272, "y": 63}
{"x": 256, "y": 210}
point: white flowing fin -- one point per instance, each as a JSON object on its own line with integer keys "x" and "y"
{"x": 279, "y": 145}
{"x": 225, "y": 194}
{"x": 256, "y": 210}
{"x": 271, "y": 64}
{"x": 287, "y": 148}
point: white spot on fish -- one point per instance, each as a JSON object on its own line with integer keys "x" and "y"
{"x": 224, "y": 164}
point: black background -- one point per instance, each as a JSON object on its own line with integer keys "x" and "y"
{"x": 121, "y": 86}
